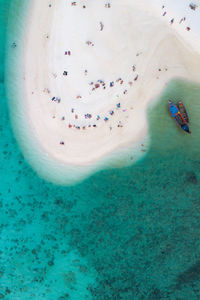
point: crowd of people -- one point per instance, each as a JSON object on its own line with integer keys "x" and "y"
{"x": 183, "y": 19}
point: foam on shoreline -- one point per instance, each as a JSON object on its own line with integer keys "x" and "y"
{"x": 158, "y": 56}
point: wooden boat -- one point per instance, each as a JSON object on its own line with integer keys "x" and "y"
{"x": 176, "y": 114}
{"x": 183, "y": 111}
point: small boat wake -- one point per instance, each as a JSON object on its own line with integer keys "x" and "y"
{"x": 180, "y": 115}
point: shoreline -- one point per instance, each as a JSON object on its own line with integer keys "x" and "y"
{"x": 91, "y": 149}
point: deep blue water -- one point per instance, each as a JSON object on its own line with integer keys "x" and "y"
{"x": 129, "y": 233}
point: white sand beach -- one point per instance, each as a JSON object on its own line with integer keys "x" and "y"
{"x": 91, "y": 69}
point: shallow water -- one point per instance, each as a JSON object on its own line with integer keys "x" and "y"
{"x": 129, "y": 233}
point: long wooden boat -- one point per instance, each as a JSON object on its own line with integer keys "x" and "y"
{"x": 183, "y": 111}
{"x": 176, "y": 114}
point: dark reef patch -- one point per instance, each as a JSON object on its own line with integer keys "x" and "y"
{"x": 191, "y": 177}
{"x": 190, "y": 275}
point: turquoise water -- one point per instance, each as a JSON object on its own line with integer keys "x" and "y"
{"x": 129, "y": 233}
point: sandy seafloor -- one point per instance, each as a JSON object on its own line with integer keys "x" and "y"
{"x": 129, "y": 233}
